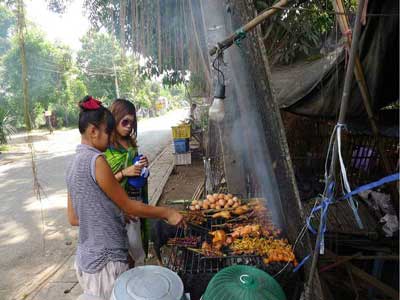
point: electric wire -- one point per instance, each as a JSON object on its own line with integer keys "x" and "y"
{"x": 218, "y": 59}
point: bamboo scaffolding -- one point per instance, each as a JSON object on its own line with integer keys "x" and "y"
{"x": 341, "y": 120}
{"x": 365, "y": 94}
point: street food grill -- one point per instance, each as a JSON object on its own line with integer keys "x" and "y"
{"x": 184, "y": 241}
{"x": 194, "y": 217}
{"x": 237, "y": 232}
{"x": 216, "y": 201}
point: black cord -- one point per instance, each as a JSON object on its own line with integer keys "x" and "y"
{"x": 219, "y": 72}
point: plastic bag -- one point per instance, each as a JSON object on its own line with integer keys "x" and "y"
{"x": 381, "y": 205}
{"x": 390, "y": 225}
{"x": 135, "y": 242}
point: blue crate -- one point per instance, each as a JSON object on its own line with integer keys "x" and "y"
{"x": 181, "y": 145}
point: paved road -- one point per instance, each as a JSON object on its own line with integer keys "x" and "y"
{"x": 35, "y": 235}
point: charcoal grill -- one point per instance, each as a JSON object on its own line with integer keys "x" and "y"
{"x": 185, "y": 261}
{"x": 196, "y": 270}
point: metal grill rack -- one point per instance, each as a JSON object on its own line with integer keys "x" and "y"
{"x": 196, "y": 269}
{"x": 184, "y": 261}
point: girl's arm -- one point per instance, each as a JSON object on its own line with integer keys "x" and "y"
{"x": 72, "y": 218}
{"x": 107, "y": 182}
{"x": 133, "y": 170}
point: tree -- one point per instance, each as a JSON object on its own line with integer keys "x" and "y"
{"x": 95, "y": 63}
{"x": 44, "y": 66}
{"x": 102, "y": 69}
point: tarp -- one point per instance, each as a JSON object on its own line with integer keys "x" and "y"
{"x": 314, "y": 88}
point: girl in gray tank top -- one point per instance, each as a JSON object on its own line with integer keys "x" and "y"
{"x": 96, "y": 203}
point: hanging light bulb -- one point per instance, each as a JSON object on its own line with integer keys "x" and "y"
{"x": 216, "y": 111}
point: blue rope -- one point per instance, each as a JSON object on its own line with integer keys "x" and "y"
{"x": 301, "y": 263}
{"x": 329, "y": 200}
{"x": 324, "y": 206}
{"x": 372, "y": 185}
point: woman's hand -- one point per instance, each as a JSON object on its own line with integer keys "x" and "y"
{"x": 72, "y": 217}
{"x": 133, "y": 170}
{"x": 143, "y": 160}
{"x": 174, "y": 217}
{"x": 108, "y": 184}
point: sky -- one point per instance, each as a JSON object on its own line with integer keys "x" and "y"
{"x": 67, "y": 28}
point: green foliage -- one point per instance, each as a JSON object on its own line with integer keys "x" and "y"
{"x": 67, "y": 116}
{"x": 45, "y": 67}
{"x": 6, "y": 127}
{"x": 128, "y": 77}
{"x": 7, "y": 21}
{"x": 95, "y": 63}
{"x": 197, "y": 84}
{"x": 38, "y": 114}
{"x": 4, "y": 148}
{"x": 299, "y": 31}
{"x": 78, "y": 90}
{"x": 58, "y": 6}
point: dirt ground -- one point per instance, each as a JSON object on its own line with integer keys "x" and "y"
{"x": 183, "y": 181}
{"x": 181, "y": 185}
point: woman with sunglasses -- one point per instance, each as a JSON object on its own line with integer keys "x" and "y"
{"x": 120, "y": 155}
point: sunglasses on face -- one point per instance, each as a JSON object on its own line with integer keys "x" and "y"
{"x": 126, "y": 122}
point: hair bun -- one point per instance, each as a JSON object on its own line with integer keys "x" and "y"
{"x": 90, "y": 103}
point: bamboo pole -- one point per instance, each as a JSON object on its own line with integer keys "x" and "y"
{"x": 133, "y": 26}
{"x": 183, "y": 27}
{"x": 249, "y": 26}
{"x": 137, "y": 26}
{"x": 24, "y": 69}
{"x": 181, "y": 36}
{"x": 201, "y": 54}
{"x": 159, "y": 36}
{"x": 122, "y": 17}
{"x": 359, "y": 74}
{"x": 341, "y": 120}
{"x": 371, "y": 280}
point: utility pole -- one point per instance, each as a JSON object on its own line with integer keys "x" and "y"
{"x": 112, "y": 54}
{"x": 116, "y": 80}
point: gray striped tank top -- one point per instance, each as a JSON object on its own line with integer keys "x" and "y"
{"x": 102, "y": 234}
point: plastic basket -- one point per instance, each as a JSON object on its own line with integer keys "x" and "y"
{"x": 181, "y": 145}
{"x": 181, "y": 131}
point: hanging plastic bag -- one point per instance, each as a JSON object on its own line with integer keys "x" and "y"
{"x": 135, "y": 242}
